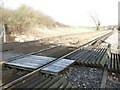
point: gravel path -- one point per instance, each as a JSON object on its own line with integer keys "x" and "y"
{"x": 114, "y": 40}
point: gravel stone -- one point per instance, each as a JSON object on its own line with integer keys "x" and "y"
{"x": 113, "y": 81}
{"x": 84, "y": 77}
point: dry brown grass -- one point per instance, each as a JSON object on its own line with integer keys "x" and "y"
{"x": 24, "y": 19}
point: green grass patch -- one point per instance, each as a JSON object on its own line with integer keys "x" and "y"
{"x": 84, "y": 27}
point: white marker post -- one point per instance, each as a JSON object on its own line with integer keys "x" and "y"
{"x": 4, "y": 34}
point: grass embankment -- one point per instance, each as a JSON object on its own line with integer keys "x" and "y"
{"x": 26, "y": 23}
{"x": 25, "y": 19}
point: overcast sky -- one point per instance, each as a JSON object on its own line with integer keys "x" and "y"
{"x": 73, "y": 12}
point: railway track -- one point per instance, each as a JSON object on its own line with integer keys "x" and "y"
{"x": 47, "y": 80}
{"x": 20, "y": 72}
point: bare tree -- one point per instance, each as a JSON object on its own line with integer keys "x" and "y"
{"x": 96, "y": 21}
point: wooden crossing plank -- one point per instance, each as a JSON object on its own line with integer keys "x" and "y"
{"x": 31, "y": 62}
{"x": 58, "y": 66}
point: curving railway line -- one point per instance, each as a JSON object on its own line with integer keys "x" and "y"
{"x": 92, "y": 56}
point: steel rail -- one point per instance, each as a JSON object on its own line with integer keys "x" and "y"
{"x": 25, "y": 55}
{"x": 36, "y": 71}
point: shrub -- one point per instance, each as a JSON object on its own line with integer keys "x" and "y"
{"x": 22, "y": 19}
